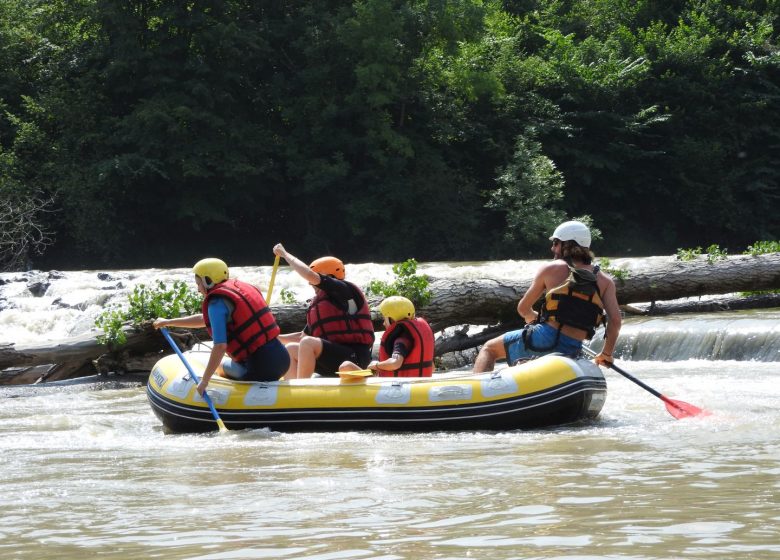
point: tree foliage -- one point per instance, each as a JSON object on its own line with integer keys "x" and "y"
{"x": 375, "y": 129}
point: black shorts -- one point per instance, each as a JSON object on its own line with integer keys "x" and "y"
{"x": 268, "y": 363}
{"x": 333, "y": 354}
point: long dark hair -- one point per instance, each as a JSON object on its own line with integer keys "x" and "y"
{"x": 570, "y": 250}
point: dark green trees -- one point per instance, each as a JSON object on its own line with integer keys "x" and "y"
{"x": 384, "y": 129}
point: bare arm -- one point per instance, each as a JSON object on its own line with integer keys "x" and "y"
{"x": 390, "y": 364}
{"x": 190, "y": 322}
{"x": 614, "y": 322}
{"x": 215, "y": 359}
{"x": 297, "y": 265}
{"x": 525, "y": 306}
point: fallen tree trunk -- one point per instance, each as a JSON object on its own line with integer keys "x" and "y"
{"x": 74, "y": 357}
{"x": 485, "y": 301}
{"x": 491, "y": 301}
{"x": 711, "y": 305}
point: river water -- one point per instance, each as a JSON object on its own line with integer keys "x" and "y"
{"x": 87, "y": 470}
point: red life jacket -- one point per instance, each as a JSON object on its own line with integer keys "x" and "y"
{"x": 419, "y": 362}
{"x": 251, "y": 324}
{"x": 328, "y": 321}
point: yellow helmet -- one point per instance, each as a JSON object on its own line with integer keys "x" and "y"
{"x": 329, "y": 266}
{"x": 397, "y": 308}
{"x": 213, "y": 271}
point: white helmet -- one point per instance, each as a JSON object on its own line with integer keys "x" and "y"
{"x": 573, "y": 231}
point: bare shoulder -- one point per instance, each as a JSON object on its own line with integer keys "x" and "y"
{"x": 553, "y": 273}
{"x": 556, "y": 266}
{"x": 605, "y": 281}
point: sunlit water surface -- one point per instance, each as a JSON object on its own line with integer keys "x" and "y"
{"x": 87, "y": 470}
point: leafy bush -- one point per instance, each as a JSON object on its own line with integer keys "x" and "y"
{"x": 145, "y": 304}
{"x": 616, "y": 273}
{"x": 762, "y": 248}
{"x": 287, "y": 296}
{"x": 407, "y": 283}
{"x": 714, "y": 253}
{"x": 688, "y": 254}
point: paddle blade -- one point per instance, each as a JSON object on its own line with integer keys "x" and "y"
{"x": 681, "y": 409}
{"x": 221, "y": 424}
{"x": 356, "y": 373}
{"x": 355, "y": 377}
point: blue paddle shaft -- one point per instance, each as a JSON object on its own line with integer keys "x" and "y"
{"x": 206, "y": 396}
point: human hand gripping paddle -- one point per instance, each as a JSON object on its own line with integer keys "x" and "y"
{"x": 678, "y": 409}
{"x": 206, "y": 397}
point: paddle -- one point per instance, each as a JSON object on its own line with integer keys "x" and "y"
{"x": 206, "y": 397}
{"x": 355, "y": 376}
{"x": 678, "y": 409}
{"x": 356, "y": 373}
{"x": 271, "y": 283}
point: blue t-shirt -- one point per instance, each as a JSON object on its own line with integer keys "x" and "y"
{"x": 219, "y": 313}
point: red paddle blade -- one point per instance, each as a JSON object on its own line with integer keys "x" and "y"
{"x": 680, "y": 409}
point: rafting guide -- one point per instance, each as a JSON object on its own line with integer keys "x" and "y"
{"x": 578, "y": 297}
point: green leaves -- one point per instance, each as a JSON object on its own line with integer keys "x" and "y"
{"x": 147, "y": 303}
{"x": 407, "y": 283}
{"x": 762, "y": 248}
{"x": 713, "y": 253}
{"x": 529, "y": 189}
{"x": 380, "y": 128}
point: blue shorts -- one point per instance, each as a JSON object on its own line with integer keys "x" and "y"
{"x": 541, "y": 336}
{"x": 268, "y": 363}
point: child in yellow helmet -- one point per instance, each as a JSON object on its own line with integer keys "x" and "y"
{"x": 407, "y": 345}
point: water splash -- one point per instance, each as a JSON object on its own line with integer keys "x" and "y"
{"x": 751, "y": 335}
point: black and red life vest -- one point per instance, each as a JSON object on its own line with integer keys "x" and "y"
{"x": 419, "y": 362}
{"x": 251, "y": 324}
{"x": 329, "y": 321}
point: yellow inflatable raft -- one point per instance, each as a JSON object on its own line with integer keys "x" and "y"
{"x": 548, "y": 391}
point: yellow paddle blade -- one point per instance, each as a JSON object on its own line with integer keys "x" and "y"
{"x": 356, "y": 373}
{"x": 221, "y": 424}
{"x": 355, "y": 377}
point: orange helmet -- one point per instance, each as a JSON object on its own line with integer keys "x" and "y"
{"x": 329, "y": 266}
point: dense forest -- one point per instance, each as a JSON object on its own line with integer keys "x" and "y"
{"x": 138, "y": 133}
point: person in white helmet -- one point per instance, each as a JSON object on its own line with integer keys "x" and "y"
{"x": 578, "y": 298}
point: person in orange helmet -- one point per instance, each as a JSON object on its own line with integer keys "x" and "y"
{"x": 338, "y": 320}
